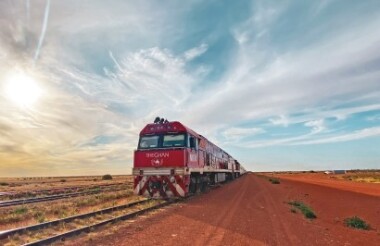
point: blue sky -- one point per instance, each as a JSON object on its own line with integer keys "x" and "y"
{"x": 280, "y": 85}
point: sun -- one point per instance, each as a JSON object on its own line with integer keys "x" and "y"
{"x": 22, "y": 89}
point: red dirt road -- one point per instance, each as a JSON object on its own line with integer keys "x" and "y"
{"x": 252, "y": 211}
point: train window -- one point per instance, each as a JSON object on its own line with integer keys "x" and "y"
{"x": 147, "y": 142}
{"x": 193, "y": 142}
{"x": 208, "y": 159}
{"x": 177, "y": 140}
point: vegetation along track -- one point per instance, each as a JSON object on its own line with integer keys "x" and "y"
{"x": 46, "y": 233}
{"x": 9, "y": 203}
{"x": 55, "y": 191}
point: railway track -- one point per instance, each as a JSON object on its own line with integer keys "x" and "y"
{"x": 108, "y": 215}
{"x": 9, "y": 203}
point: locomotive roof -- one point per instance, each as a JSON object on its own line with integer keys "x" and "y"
{"x": 173, "y": 127}
{"x": 169, "y": 127}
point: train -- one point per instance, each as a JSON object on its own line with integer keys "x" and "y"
{"x": 172, "y": 160}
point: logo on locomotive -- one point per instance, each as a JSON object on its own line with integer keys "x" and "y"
{"x": 157, "y": 162}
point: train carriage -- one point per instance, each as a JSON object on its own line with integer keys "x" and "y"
{"x": 173, "y": 160}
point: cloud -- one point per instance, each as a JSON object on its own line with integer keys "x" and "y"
{"x": 80, "y": 108}
{"x": 340, "y": 114}
{"x": 281, "y": 120}
{"x": 374, "y": 118}
{"x": 311, "y": 139}
{"x": 316, "y": 125}
{"x": 359, "y": 134}
{"x": 236, "y": 133}
{"x": 306, "y": 79}
{"x": 195, "y": 52}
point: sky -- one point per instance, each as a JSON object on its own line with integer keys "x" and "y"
{"x": 279, "y": 85}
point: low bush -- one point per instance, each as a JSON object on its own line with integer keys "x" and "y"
{"x": 39, "y": 216}
{"x": 357, "y": 223}
{"x": 4, "y": 184}
{"x": 107, "y": 177}
{"x": 20, "y": 210}
{"x": 305, "y": 210}
{"x": 274, "y": 180}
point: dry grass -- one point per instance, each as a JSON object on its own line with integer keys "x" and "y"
{"x": 63, "y": 227}
{"x": 40, "y": 212}
{"x": 365, "y": 177}
{"x": 39, "y": 183}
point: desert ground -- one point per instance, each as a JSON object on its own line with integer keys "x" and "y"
{"x": 94, "y": 193}
{"x": 255, "y": 209}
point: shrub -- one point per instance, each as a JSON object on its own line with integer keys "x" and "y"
{"x": 357, "y": 223}
{"x": 274, "y": 180}
{"x": 20, "y": 210}
{"x": 307, "y": 211}
{"x": 39, "y": 216}
{"x": 107, "y": 177}
{"x": 63, "y": 180}
{"x": 4, "y": 184}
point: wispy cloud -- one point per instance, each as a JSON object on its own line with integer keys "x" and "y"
{"x": 311, "y": 138}
{"x": 236, "y": 133}
{"x": 43, "y": 30}
{"x": 316, "y": 125}
{"x": 195, "y": 52}
{"x": 281, "y": 120}
{"x": 360, "y": 134}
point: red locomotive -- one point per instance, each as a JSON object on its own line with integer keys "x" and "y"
{"x": 173, "y": 160}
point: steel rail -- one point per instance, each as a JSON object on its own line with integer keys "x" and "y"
{"x": 7, "y": 233}
{"x": 78, "y": 231}
{"x": 9, "y": 203}
{"x": 75, "y": 232}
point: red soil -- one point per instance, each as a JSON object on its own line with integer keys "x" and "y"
{"x": 332, "y": 181}
{"x": 252, "y": 211}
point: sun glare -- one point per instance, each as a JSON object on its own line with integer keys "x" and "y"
{"x": 22, "y": 89}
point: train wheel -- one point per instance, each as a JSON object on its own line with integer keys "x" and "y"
{"x": 204, "y": 183}
{"x": 193, "y": 185}
{"x": 198, "y": 187}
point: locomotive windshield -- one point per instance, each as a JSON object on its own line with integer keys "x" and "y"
{"x": 148, "y": 142}
{"x": 174, "y": 140}
{"x": 162, "y": 141}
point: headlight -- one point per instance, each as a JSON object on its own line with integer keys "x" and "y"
{"x": 172, "y": 179}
